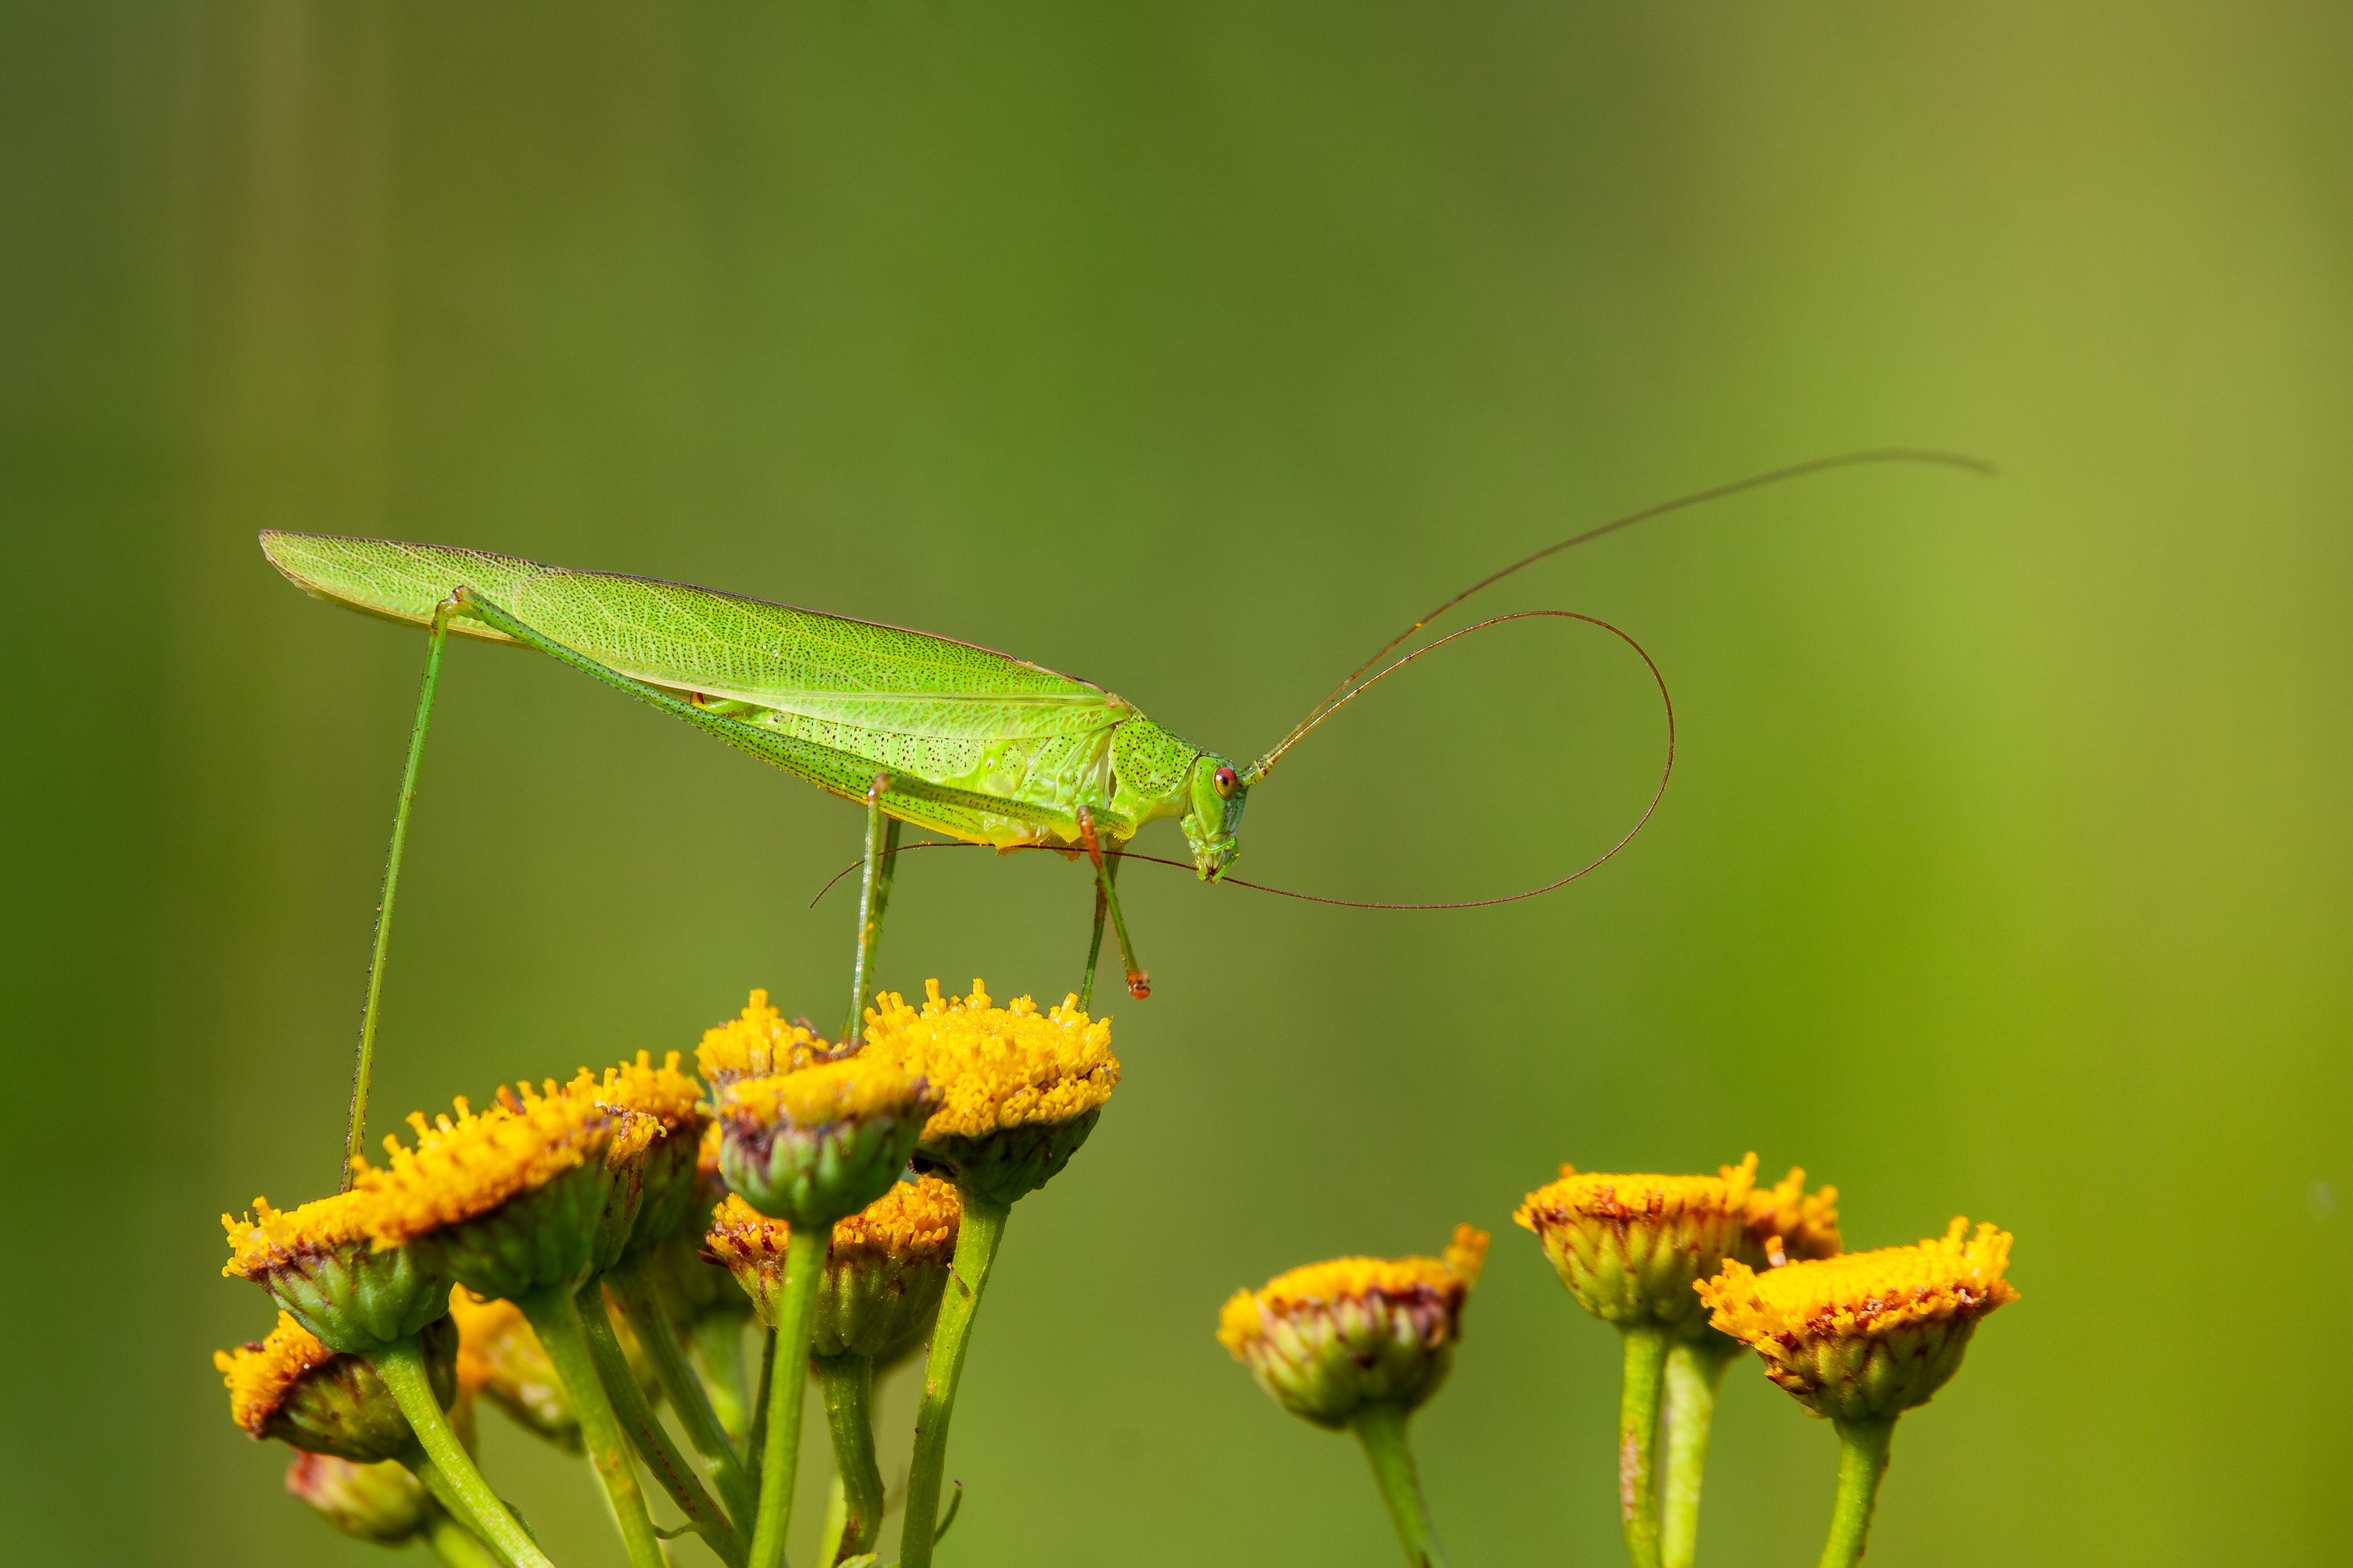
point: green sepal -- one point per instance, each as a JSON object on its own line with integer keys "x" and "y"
{"x": 357, "y": 1300}
{"x": 1011, "y": 1163}
{"x": 543, "y": 1239}
{"x": 812, "y": 1177}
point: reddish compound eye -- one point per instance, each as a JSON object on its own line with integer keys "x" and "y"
{"x": 1227, "y": 783}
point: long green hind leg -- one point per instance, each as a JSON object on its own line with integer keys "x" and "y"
{"x": 873, "y": 899}
{"x": 364, "y": 1062}
{"x": 1139, "y": 984}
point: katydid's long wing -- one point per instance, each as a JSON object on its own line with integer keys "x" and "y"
{"x": 1012, "y": 739}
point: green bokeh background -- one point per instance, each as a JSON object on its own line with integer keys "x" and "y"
{"x": 2005, "y": 870}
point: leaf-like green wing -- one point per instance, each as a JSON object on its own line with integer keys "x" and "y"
{"x": 847, "y": 679}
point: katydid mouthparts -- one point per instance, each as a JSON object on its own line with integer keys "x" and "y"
{"x": 959, "y": 739}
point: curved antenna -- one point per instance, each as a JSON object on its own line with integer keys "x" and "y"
{"x": 1666, "y": 771}
{"x": 1347, "y": 690}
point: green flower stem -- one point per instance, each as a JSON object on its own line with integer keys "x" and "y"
{"x": 651, "y": 1439}
{"x": 457, "y": 1546}
{"x": 1380, "y": 1427}
{"x": 554, "y": 1317}
{"x": 848, "y": 1385}
{"x": 430, "y": 1476}
{"x": 780, "y": 1458}
{"x": 1637, "y": 1439}
{"x": 1862, "y": 1461}
{"x": 837, "y": 1519}
{"x": 635, "y": 1287}
{"x": 715, "y": 1341}
{"x": 756, "y": 1446}
{"x": 977, "y": 1240}
{"x": 402, "y": 1367}
{"x": 1695, "y": 1369}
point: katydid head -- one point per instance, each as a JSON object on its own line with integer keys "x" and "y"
{"x": 1218, "y": 794}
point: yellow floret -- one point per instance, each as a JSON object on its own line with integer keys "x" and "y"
{"x": 1861, "y": 1293}
{"x": 996, "y": 1066}
{"x": 258, "y": 1375}
{"x": 860, "y": 1087}
{"x": 1244, "y": 1316}
{"x": 272, "y": 1238}
{"x": 754, "y": 1045}
{"x": 471, "y": 1164}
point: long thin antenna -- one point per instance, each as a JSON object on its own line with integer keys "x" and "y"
{"x": 1666, "y": 771}
{"x": 1346, "y": 688}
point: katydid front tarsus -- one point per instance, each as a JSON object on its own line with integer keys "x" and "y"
{"x": 954, "y": 738}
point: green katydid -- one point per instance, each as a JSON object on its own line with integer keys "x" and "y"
{"x": 954, "y": 738}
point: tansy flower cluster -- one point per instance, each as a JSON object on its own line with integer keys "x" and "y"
{"x": 564, "y": 1253}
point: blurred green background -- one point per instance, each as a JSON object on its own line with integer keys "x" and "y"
{"x": 1195, "y": 350}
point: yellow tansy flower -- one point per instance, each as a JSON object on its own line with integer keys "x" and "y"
{"x": 1866, "y": 1335}
{"x": 1629, "y": 1248}
{"x": 1021, "y": 1089}
{"x": 318, "y": 1263}
{"x": 292, "y": 1387}
{"x": 513, "y": 1199}
{"x": 820, "y": 1143}
{"x": 1328, "y": 1339}
{"x": 754, "y": 1045}
{"x": 657, "y": 1193}
{"x": 885, "y": 1267}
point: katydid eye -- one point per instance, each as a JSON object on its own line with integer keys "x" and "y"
{"x": 1227, "y": 783}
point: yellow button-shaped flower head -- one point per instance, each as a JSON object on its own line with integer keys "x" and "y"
{"x": 754, "y": 1045}
{"x": 318, "y": 1263}
{"x": 511, "y": 1200}
{"x": 654, "y": 1192}
{"x": 1868, "y": 1335}
{"x": 818, "y": 1143}
{"x": 1021, "y": 1089}
{"x": 295, "y": 1389}
{"x": 885, "y": 1268}
{"x": 1629, "y": 1248}
{"x": 1329, "y": 1339}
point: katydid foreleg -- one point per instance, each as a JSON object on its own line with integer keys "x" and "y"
{"x": 1139, "y": 984}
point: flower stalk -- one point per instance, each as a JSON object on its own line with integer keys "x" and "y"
{"x": 1694, "y": 1376}
{"x": 647, "y": 1434}
{"x": 848, "y": 1383}
{"x": 1646, "y": 1346}
{"x": 687, "y": 1397}
{"x": 1863, "y": 1463}
{"x": 554, "y": 1317}
{"x": 1380, "y": 1427}
{"x": 402, "y": 1368}
{"x": 779, "y": 1461}
{"x": 982, "y": 1230}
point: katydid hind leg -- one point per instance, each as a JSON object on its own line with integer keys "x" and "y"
{"x": 363, "y": 1058}
{"x": 1139, "y": 984}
